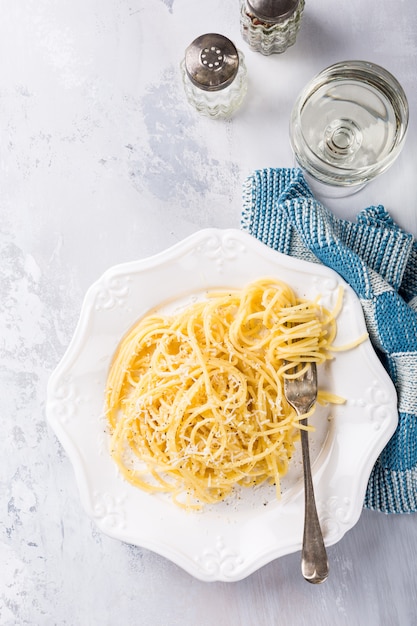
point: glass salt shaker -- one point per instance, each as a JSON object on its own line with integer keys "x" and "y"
{"x": 214, "y": 75}
{"x": 270, "y": 26}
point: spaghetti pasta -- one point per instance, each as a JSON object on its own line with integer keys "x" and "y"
{"x": 195, "y": 400}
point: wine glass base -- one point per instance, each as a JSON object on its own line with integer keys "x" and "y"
{"x": 325, "y": 190}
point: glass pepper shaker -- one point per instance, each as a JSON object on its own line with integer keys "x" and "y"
{"x": 214, "y": 75}
{"x": 270, "y": 26}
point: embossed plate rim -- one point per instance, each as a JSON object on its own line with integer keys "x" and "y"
{"x": 229, "y": 541}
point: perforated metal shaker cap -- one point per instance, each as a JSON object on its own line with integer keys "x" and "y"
{"x": 273, "y": 10}
{"x": 211, "y": 62}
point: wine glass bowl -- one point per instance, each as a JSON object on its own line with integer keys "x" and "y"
{"x": 348, "y": 125}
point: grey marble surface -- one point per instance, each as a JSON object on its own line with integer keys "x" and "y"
{"x": 103, "y": 161}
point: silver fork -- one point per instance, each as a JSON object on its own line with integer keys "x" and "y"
{"x": 301, "y": 393}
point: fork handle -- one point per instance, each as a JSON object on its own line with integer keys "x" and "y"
{"x": 314, "y": 562}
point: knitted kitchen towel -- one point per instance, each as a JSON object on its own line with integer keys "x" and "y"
{"x": 379, "y": 261}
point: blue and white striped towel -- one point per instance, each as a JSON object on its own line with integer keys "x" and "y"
{"x": 379, "y": 261}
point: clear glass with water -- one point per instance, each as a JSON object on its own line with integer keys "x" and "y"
{"x": 348, "y": 125}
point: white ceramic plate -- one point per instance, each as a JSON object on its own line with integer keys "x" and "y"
{"x": 230, "y": 540}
